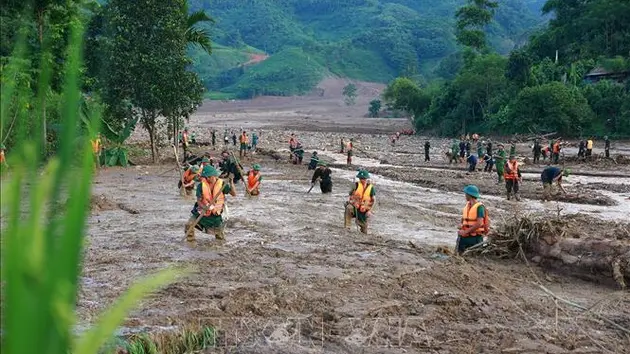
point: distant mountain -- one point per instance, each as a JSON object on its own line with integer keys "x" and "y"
{"x": 370, "y": 40}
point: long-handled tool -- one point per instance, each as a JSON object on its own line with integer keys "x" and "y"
{"x": 182, "y": 190}
{"x": 202, "y": 212}
{"x": 310, "y": 189}
{"x": 240, "y": 171}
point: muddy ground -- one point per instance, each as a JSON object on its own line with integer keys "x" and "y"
{"x": 290, "y": 279}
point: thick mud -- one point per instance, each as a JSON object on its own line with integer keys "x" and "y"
{"x": 290, "y": 279}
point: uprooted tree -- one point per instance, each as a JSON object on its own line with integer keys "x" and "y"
{"x": 146, "y": 64}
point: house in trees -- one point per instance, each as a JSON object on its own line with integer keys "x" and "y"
{"x": 599, "y": 73}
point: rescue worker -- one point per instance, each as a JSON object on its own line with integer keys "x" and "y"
{"x": 350, "y": 152}
{"x": 254, "y": 141}
{"x": 499, "y": 162}
{"x": 214, "y": 138}
{"x": 243, "y": 139}
{"x": 479, "y": 149}
{"x": 343, "y": 146}
{"x": 551, "y": 175}
{"x": 475, "y": 223}
{"x": 468, "y": 147}
{"x": 513, "y": 178}
{"x": 253, "y": 180}
{"x": 462, "y": 150}
{"x": 229, "y": 167}
{"x": 322, "y": 173}
{"x": 314, "y": 161}
{"x": 292, "y": 142}
{"x": 513, "y": 148}
{"x": 185, "y": 141}
{"x": 537, "y": 149}
{"x": 193, "y": 139}
{"x": 234, "y": 138}
{"x": 607, "y": 146}
{"x": 487, "y": 158}
{"x": 489, "y": 147}
{"x": 211, "y": 192}
{"x": 545, "y": 153}
{"x": 96, "y": 150}
{"x": 454, "y": 151}
{"x": 581, "y": 149}
{"x": 556, "y": 151}
{"x": 226, "y": 139}
{"x": 3, "y": 158}
{"x": 589, "y": 147}
{"x": 298, "y": 154}
{"x": 360, "y": 203}
{"x": 472, "y": 163}
{"x": 190, "y": 177}
{"x": 427, "y": 147}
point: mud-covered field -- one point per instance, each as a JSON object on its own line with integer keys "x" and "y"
{"x": 289, "y": 278}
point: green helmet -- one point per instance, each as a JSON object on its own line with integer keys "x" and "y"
{"x": 205, "y": 160}
{"x": 194, "y": 168}
{"x": 566, "y": 172}
{"x": 256, "y": 167}
{"x": 322, "y": 163}
{"x": 363, "y": 174}
{"x": 472, "y": 191}
{"x": 209, "y": 171}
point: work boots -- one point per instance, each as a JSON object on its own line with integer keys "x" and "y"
{"x": 363, "y": 227}
{"x": 219, "y": 233}
{"x": 509, "y": 196}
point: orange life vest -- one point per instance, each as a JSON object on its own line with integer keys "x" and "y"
{"x": 208, "y": 194}
{"x": 185, "y": 138}
{"x": 189, "y": 176}
{"x": 96, "y": 145}
{"x": 469, "y": 218}
{"x": 243, "y": 138}
{"x": 361, "y": 198}
{"x": 556, "y": 148}
{"x": 511, "y": 170}
{"x": 252, "y": 179}
{"x": 2, "y": 158}
{"x": 349, "y": 146}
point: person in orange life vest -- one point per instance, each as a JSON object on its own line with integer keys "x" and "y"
{"x": 211, "y": 192}
{"x": 96, "y": 149}
{"x": 361, "y": 202}
{"x": 253, "y": 180}
{"x": 3, "y": 159}
{"x": 556, "y": 151}
{"x": 349, "y": 148}
{"x": 475, "y": 222}
{"x": 244, "y": 140}
{"x": 190, "y": 177}
{"x": 185, "y": 140}
{"x": 512, "y": 176}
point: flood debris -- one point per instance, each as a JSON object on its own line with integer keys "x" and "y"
{"x": 558, "y": 242}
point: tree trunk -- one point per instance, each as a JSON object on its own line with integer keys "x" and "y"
{"x": 148, "y": 120}
{"x": 40, "y": 32}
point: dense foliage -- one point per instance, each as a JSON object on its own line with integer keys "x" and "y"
{"x": 371, "y": 40}
{"x": 530, "y": 91}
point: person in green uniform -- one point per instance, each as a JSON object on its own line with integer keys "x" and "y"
{"x": 229, "y": 166}
{"x": 454, "y": 152}
{"x": 500, "y": 159}
{"x": 360, "y": 202}
{"x": 211, "y": 203}
{"x": 513, "y": 149}
{"x": 475, "y": 222}
{"x": 214, "y": 137}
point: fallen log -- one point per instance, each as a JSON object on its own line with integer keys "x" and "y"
{"x": 545, "y": 241}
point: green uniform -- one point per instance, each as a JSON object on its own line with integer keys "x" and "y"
{"x": 500, "y": 163}
{"x": 454, "y": 152}
{"x": 213, "y": 221}
{"x": 513, "y": 150}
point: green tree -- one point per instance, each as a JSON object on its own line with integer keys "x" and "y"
{"x": 350, "y": 94}
{"x": 552, "y": 107}
{"x": 609, "y": 102}
{"x": 471, "y": 21}
{"x": 146, "y": 64}
{"x": 375, "y": 108}
{"x": 403, "y": 94}
{"x": 195, "y": 33}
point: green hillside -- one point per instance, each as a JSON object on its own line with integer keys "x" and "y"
{"x": 372, "y": 40}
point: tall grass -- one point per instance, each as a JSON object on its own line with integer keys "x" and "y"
{"x": 44, "y": 211}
